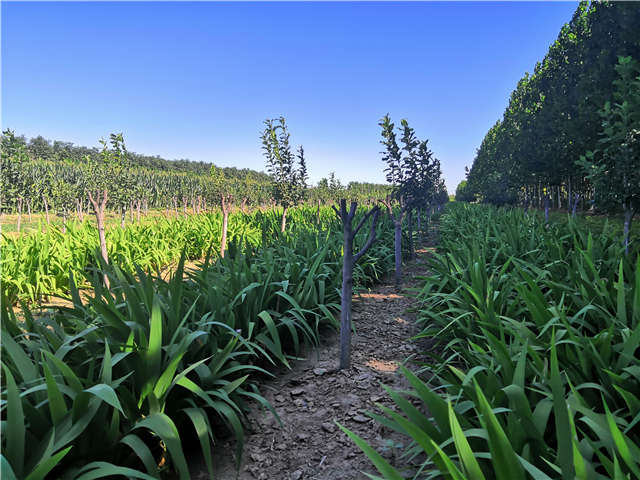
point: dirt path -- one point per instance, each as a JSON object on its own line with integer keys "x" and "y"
{"x": 313, "y": 395}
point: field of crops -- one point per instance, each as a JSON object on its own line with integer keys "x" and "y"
{"x": 152, "y": 365}
{"x": 537, "y": 373}
{"x": 38, "y": 265}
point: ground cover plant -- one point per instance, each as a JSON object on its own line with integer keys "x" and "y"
{"x": 538, "y": 374}
{"x": 150, "y": 365}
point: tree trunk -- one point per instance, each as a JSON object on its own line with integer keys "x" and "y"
{"x": 283, "y": 225}
{"x": 318, "y": 213}
{"x": 410, "y": 228}
{"x": 398, "y": 250}
{"x": 123, "y": 213}
{"x": 138, "y": 209}
{"x": 348, "y": 261}
{"x": 29, "y": 208}
{"x": 46, "y": 209}
{"x": 99, "y": 204}
{"x": 574, "y": 206}
{"x": 64, "y": 220}
{"x": 146, "y": 207}
{"x": 175, "y": 205}
{"x": 419, "y": 221}
{"x": 347, "y": 293}
{"x": 225, "y": 223}
{"x": 546, "y": 208}
{"x": 19, "y": 214}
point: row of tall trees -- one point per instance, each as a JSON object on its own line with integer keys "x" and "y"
{"x": 416, "y": 181}
{"x": 558, "y": 113}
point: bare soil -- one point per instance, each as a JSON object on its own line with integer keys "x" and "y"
{"x": 314, "y": 394}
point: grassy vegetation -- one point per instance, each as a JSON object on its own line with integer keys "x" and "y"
{"x": 537, "y": 373}
{"x": 151, "y": 366}
{"x": 38, "y": 265}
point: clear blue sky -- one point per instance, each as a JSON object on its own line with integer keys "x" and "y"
{"x": 196, "y": 80}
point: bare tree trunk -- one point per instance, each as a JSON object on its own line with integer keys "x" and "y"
{"x": 397, "y": 243}
{"x": 348, "y": 261}
{"x": 46, "y": 209}
{"x": 123, "y": 213}
{"x": 410, "y": 227}
{"x": 175, "y": 205}
{"x": 283, "y": 225}
{"x": 99, "y": 204}
{"x": 64, "y": 220}
{"x": 146, "y": 207}
{"x": 225, "y": 223}
{"x": 575, "y": 204}
{"x": 19, "y": 214}
{"x": 184, "y": 206}
{"x": 138, "y": 209}
{"x": 546, "y": 208}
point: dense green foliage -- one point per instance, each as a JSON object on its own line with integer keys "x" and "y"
{"x": 36, "y": 173}
{"x": 537, "y": 374}
{"x": 553, "y": 116}
{"x": 123, "y": 381}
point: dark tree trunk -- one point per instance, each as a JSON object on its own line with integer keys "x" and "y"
{"x": 546, "y": 208}
{"x": 348, "y": 262}
{"x": 574, "y": 204}
{"x": 410, "y": 228}
{"x": 397, "y": 243}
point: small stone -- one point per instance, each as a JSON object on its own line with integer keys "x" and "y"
{"x": 256, "y": 457}
{"x": 279, "y": 398}
{"x": 319, "y": 371}
{"x": 296, "y": 391}
{"x": 376, "y": 398}
{"x": 360, "y": 419}
{"x": 297, "y": 475}
{"x": 302, "y": 436}
{"x": 328, "y": 427}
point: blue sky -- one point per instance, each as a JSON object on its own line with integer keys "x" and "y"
{"x": 196, "y": 80}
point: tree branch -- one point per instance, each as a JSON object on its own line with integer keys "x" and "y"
{"x": 372, "y": 236}
{"x": 364, "y": 219}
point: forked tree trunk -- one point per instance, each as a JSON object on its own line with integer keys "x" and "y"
{"x": 283, "y": 225}
{"x": 99, "y": 204}
{"x": 19, "y": 214}
{"x": 348, "y": 262}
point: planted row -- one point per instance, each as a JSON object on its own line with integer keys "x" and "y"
{"x": 153, "y": 367}
{"x": 536, "y": 372}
